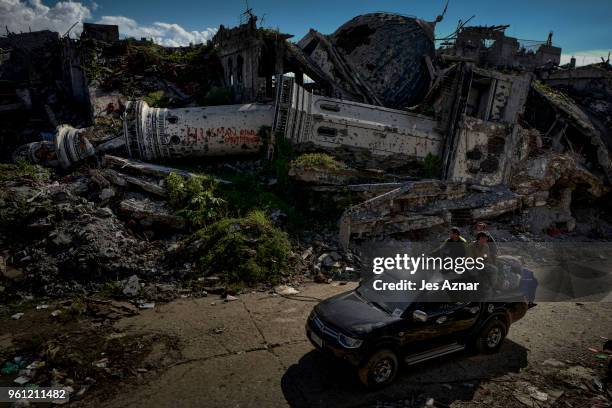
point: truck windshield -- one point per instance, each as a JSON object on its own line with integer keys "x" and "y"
{"x": 391, "y": 301}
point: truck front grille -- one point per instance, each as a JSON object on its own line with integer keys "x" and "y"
{"x": 322, "y": 328}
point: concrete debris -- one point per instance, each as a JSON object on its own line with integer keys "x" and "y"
{"x": 150, "y": 214}
{"x": 131, "y": 287}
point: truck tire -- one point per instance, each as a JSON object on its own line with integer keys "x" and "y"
{"x": 379, "y": 370}
{"x": 491, "y": 337}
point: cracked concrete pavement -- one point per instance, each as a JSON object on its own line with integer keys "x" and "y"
{"x": 253, "y": 353}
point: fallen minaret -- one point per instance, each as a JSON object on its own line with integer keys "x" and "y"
{"x": 160, "y": 133}
{"x": 302, "y": 118}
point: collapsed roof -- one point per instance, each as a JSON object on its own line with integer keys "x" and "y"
{"x": 376, "y": 58}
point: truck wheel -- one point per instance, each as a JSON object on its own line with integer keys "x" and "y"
{"x": 379, "y": 370}
{"x": 491, "y": 337}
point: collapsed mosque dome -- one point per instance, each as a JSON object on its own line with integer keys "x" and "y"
{"x": 388, "y": 52}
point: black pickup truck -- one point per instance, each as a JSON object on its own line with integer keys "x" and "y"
{"x": 373, "y": 336}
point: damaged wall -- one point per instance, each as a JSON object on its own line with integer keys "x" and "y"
{"x": 488, "y": 137}
{"x": 489, "y": 45}
{"x": 250, "y": 57}
{"x": 329, "y": 123}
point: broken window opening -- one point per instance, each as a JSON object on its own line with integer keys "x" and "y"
{"x": 331, "y": 108}
{"x": 230, "y": 71}
{"x": 327, "y": 131}
{"x": 310, "y": 47}
{"x": 480, "y": 98}
{"x": 239, "y": 69}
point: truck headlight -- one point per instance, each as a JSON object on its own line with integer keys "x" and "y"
{"x": 349, "y": 342}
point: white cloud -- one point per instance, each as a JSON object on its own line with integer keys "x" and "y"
{"x": 172, "y": 35}
{"x": 21, "y": 16}
{"x": 585, "y": 57}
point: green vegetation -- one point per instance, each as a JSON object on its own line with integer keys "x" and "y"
{"x": 319, "y": 160}
{"x": 14, "y": 209}
{"x": 195, "y": 199}
{"x": 246, "y": 250}
{"x": 246, "y": 193}
{"x": 139, "y": 69}
{"x": 157, "y": 99}
{"x": 432, "y": 166}
{"x": 23, "y": 170}
{"x": 218, "y": 96}
{"x": 279, "y": 166}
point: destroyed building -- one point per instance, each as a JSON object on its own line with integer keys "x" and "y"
{"x": 102, "y": 32}
{"x": 379, "y": 96}
{"x": 489, "y": 45}
{"x": 379, "y": 59}
{"x": 43, "y": 83}
{"x": 251, "y": 57}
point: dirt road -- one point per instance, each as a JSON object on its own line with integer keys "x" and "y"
{"x": 252, "y": 352}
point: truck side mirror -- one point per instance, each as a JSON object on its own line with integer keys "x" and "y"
{"x": 419, "y": 316}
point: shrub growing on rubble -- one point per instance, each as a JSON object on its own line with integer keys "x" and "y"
{"x": 194, "y": 199}
{"x": 21, "y": 170}
{"x": 318, "y": 160}
{"x": 246, "y": 250}
{"x": 157, "y": 99}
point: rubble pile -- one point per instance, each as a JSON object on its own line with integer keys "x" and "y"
{"x": 61, "y": 242}
{"x": 142, "y": 69}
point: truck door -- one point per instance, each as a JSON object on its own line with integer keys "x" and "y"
{"x": 446, "y": 322}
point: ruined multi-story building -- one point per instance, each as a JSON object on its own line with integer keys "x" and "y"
{"x": 489, "y": 45}
{"x": 102, "y": 32}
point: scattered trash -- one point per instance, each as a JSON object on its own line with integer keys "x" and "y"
{"x": 554, "y": 363}
{"x": 230, "y": 298}
{"x": 21, "y": 380}
{"x": 148, "y": 305}
{"x": 9, "y": 368}
{"x": 17, "y": 316}
{"x": 537, "y": 394}
{"x": 102, "y": 363}
{"x": 286, "y": 290}
{"x": 114, "y": 336}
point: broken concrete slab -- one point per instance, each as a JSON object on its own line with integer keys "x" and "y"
{"x": 541, "y": 173}
{"x": 151, "y": 214}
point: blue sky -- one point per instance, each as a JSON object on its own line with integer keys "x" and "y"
{"x": 580, "y": 27}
